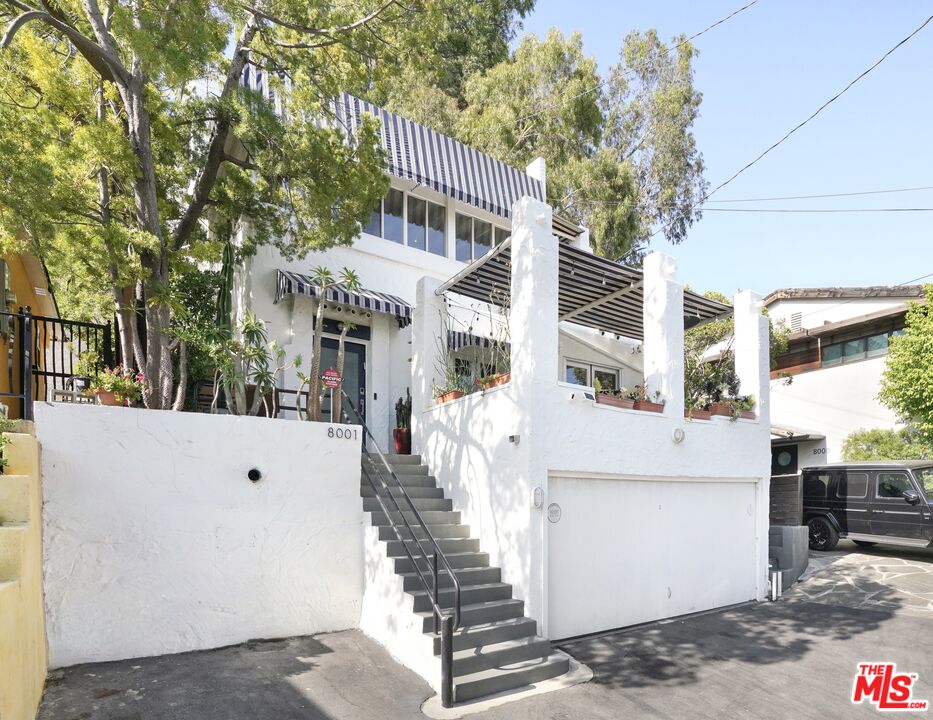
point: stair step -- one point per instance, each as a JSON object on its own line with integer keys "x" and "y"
{"x": 430, "y": 517}
{"x": 407, "y": 481}
{"x": 371, "y": 504}
{"x": 507, "y": 677}
{"x": 466, "y": 576}
{"x": 438, "y": 531}
{"x": 469, "y": 595}
{"x": 479, "y": 613}
{"x": 456, "y": 560}
{"x": 488, "y": 633}
{"x": 472, "y": 660}
{"x": 425, "y": 491}
{"x": 394, "y": 548}
{"x": 394, "y": 459}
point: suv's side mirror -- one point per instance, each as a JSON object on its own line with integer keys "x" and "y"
{"x": 911, "y": 497}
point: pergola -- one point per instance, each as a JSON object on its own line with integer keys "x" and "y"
{"x": 593, "y": 291}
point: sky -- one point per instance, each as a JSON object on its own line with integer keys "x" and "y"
{"x": 761, "y": 73}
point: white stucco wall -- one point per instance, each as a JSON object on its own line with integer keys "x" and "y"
{"x": 835, "y": 402}
{"x": 155, "y": 540}
{"x": 817, "y": 312}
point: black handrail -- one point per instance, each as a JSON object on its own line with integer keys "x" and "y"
{"x": 444, "y": 623}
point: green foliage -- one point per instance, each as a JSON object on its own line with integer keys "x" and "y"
{"x": 907, "y": 382}
{"x": 403, "y": 411}
{"x": 125, "y": 383}
{"x": 878, "y": 444}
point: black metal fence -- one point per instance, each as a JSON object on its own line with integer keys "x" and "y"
{"x": 42, "y": 353}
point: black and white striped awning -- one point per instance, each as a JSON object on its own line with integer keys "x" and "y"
{"x": 460, "y": 339}
{"x": 292, "y": 283}
{"x": 593, "y": 291}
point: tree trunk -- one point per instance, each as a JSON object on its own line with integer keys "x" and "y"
{"x": 336, "y": 416}
{"x": 314, "y": 390}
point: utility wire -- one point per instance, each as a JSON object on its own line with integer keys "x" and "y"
{"x": 852, "y": 300}
{"x": 824, "y": 195}
{"x": 820, "y": 210}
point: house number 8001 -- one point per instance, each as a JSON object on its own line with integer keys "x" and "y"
{"x": 342, "y": 433}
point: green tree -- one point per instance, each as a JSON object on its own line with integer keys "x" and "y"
{"x": 128, "y": 144}
{"x": 907, "y": 382}
{"x": 878, "y": 444}
{"x": 620, "y": 153}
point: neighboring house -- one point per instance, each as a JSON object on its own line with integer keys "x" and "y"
{"x": 582, "y": 517}
{"x": 836, "y": 354}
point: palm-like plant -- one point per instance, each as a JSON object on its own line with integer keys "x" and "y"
{"x": 341, "y": 356}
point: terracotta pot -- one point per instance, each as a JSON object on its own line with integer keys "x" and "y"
{"x": 649, "y": 406}
{"x": 614, "y": 401}
{"x": 697, "y": 414}
{"x": 720, "y": 408}
{"x": 495, "y": 380}
{"x": 450, "y": 395}
{"x": 748, "y": 414}
{"x": 108, "y": 398}
{"x": 401, "y": 437}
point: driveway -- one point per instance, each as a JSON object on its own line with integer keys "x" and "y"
{"x": 790, "y": 659}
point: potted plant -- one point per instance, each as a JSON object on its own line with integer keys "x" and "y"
{"x": 87, "y": 367}
{"x": 641, "y": 402}
{"x": 453, "y": 388}
{"x": 695, "y": 413}
{"x": 118, "y": 386}
{"x": 745, "y": 406}
{"x": 613, "y": 398}
{"x": 401, "y": 435}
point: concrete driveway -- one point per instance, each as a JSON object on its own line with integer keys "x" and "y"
{"x": 791, "y": 659}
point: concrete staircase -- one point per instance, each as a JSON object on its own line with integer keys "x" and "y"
{"x": 496, "y": 647}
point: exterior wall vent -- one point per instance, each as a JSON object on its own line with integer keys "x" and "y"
{"x": 796, "y": 321}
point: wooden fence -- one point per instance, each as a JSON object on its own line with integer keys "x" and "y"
{"x": 786, "y": 507}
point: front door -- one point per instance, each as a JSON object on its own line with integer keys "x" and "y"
{"x": 892, "y": 516}
{"x": 354, "y": 378}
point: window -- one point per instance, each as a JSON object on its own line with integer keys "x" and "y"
{"x": 877, "y": 345}
{"x": 815, "y": 485}
{"x": 392, "y": 216}
{"x": 577, "y": 374}
{"x": 857, "y": 349}
{"x": 832, "y": 355}
{"x": 475, "y": 237}
{"x": 421, "y": 223}
{"x": 437, "y": 229}
{"x": 501, "y": 235}
{"x": 855, "y": 486}
{"x": 893, "y": 485}
{"x": 374, "y": 226}
{"x": 608, "y": 379}
{"x": 925, "y": 476}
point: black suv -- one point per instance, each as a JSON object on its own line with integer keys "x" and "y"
{"x": 876, "y": 502}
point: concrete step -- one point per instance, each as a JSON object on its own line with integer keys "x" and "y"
{"x": 507, "y": 677}
{"x": 430, "y": 517}
{"x": 407, "y": 481}
{"x": 438, "y": 531}
{"x": 371, "y": 504}
{"x": 424, "y": 491}
{"x": 14, "y": 498}
{"x": 472, "y": 660}
{"x": 478, "y": 613}
{"x": 488, "y": 633}
{"x": 394, "y": 548}
{"x": 12, "y": 540}
{"x": 456, "y": 560}
{"x": 469, "y": 595}
{"x": 466, "y": 576}
{"x": 394, "y": 459}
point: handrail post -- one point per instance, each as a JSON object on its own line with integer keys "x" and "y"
{"x": 437, "y": 595}
{"x": 26, "y": 361}
{"x": 447, "y": 661}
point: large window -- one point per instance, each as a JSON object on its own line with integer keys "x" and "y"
{"x": 893, "y": 485}
{"x": 862, "y": 348}
{"x": 580, "y": 373}
{"x": 420, "y": 223}
{"x": 475, "y": 237}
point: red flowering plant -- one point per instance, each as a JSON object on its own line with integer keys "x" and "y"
{"x": 125, "y": 383}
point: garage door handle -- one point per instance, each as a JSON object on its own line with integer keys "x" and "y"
{"x": 879, "y": 512}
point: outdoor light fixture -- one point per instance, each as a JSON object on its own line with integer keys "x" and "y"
{"x": 514, "y": 439}
{"x": 254, "y": 475}
{"x": 537, "y": 497}
{"x": 678, "y": 435}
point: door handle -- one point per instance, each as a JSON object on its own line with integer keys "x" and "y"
{"x": 879, "y": 512}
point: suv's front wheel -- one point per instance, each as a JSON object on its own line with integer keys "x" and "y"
{"x": 823, "y": 535}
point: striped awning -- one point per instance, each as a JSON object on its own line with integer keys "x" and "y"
{"x": 460, "y": 339}
{"x": 292, "y": 283}
{"x": 593, "y": 291}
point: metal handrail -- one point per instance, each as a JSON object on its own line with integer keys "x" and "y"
{"x": 444, "y": 623}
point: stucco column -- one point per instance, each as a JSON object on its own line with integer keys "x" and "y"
{"x": 663, "y": 348}
{"x": 752, "y": 362}
{"x": 426, "y": 334}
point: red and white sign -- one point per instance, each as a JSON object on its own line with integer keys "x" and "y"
{"x": 331, "y": 378}
{"x": 885, "y": 688}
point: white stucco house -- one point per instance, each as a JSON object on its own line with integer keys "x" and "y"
{"x": 836, "y": 354}
{"x": 563, "y": 516}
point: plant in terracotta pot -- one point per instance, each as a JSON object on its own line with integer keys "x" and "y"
{"x": 118, "y": 386}
{"x": 401, "y": 435}
{"x": 745, "y": 407}
{"x": 85, "y": 370}
{"x": 640, "y": 396}
{"x": 614, "y": 398}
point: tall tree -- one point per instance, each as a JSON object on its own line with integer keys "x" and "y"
{"x": 621, "y": 154}
{"x": 128, "y": 143}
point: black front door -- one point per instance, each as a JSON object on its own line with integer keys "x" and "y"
{"x": 354, "y": 377}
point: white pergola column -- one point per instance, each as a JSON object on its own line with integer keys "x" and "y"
{"x": 752, "y": 355}
{"x": 663, "y": 349}
{"x": 426, "y": 338}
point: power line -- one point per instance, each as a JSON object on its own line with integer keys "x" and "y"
{"x": 852, "y": 300}
{"x": 820, "y": 210}
{"x": 627, "y": 71}
{"x": 824, "y": 195}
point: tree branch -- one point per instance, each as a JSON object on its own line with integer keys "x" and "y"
{"x": 321, "y": 32}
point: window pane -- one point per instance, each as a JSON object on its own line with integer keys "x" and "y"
{"x": 393, "y": 206}
{"x": 893, "y": 485}
{"x": 501, "y": 235}
{"x": 464, "y": 237}
{"x": 437, "y": 229}
{"x": 482, "y": 238}
{"x": 855, "y": 486}
{"x": 417, "y": 222}
{"x": 608, "y": 379}
{"x": 832, "y": 355}
{"x": 814, "y": 486}
{"x": 374, "y": 226}
{"x": 577, "y": 374}
{"x": 878, "y": 345}
{"x": 853, "y": 350}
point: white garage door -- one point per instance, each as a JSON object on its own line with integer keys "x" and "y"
{"x": 625, "y": 552}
